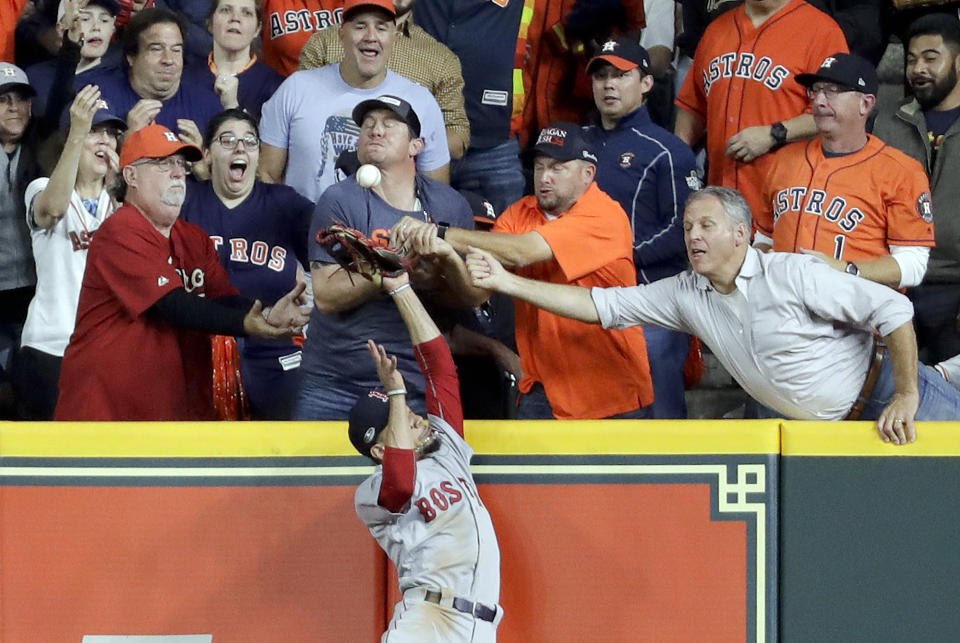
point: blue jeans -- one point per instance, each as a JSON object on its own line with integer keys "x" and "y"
{"x": 667, "y": 350}
{"x": 939, "y": 401}
{"x": 495, "y": 173}
{"x": 535, "y": 406}
{"x": 319, "y": 399}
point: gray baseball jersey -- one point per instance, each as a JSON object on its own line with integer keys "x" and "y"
{"x": 444, "y": 539}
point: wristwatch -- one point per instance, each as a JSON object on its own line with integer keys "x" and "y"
{"x": 442, "y": 229}
{"x": 779, "y": 133}
{"x": 852, "y": 269}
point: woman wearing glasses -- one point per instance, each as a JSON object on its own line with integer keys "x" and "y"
{"x": 63, "y": 213}
{"x": 260, "y": 232}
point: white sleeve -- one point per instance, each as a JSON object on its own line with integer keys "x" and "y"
{"x": 759, "y": 237}
{"x": 655, "y": 304}
{"x": 950, "y": 369}
{"x": 913, "y": 263}
{"x": 275, "y": 114}
{"x": 659, "y": 15}
{"x": 35, "y": 187}
{"x": 841, "y": 297}
{"x": 436, "y": 152}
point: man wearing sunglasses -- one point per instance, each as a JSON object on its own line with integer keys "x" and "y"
{"x": 845, "y": 196}
{"x": 152, "y": 294}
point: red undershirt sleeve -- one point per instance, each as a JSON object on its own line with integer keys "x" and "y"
{"x": 442, "y": 384}
{"x": 399, "y": 475}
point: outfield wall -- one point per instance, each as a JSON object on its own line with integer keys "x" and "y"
{"x": 609, "y": 531}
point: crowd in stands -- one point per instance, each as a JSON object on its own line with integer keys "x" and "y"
{"x": 561, "y": 139}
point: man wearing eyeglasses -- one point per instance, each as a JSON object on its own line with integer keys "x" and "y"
{"x": 845, "y": 196}
{"x": 152, "y": 293}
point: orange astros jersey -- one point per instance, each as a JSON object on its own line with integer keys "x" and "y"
{"x": 744, "y": 76}
{"x": 287, "y": 26}
{"x": 850, "y": 207}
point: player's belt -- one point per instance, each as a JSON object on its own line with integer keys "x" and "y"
{"x": 876, "y": 365}
{"x": 478, "y": 610}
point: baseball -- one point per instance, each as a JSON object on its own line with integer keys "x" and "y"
{"x": 368, "y": 176}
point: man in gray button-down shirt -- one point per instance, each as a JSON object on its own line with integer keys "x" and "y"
{"x": 796, "y": 334}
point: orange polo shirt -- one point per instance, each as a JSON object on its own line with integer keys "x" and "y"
{"x": 587, "y": 372}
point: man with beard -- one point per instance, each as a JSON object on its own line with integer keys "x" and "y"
{"x": 152, "y": 293}
{"x": 846, "y": 196}
{"x": 796, "y": 335}
{"x": 568, "y": 232}
{"x": 926, "y": 128}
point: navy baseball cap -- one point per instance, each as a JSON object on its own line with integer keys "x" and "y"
{"x": 112, "y": 6}
{"x": 103, "y": 116}
{"x": 564, "y": 141}
{"x": 848, "y": 70}
{"x": 484, "y": 213}
{"x": 398, "y": 106}
{"x": 368, "y": 418}
{"x": 624, "y": 54}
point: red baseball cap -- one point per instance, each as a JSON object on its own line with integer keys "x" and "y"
{"x": 155, "y": 142}
{"x": 350, "y": 5}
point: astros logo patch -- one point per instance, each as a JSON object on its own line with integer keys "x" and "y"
{"x": 925, "y": 207}
{"x": 626, "y": 159}
{"x": 610, "y": 45}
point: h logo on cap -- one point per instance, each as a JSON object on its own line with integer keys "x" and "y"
{"x": 828, "y": 62}
{"x": 610, "y": 45}
{"x": 170, "y": 136}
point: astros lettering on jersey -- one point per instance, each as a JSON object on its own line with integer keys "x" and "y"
{"x": 850, "y": 207}
{"x": 742, "y": 77}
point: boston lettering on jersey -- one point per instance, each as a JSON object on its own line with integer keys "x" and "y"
{"x": 441, "y": 498}
{"x": 744, "y": 65}
{"x": 287, "y": 22}
{"x": 259, "y": 253}
{"x": 795, "y": 199}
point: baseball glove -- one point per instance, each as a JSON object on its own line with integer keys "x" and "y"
{"x": 358, "y": 253}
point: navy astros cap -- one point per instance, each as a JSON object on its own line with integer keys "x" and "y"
{"x": 368, "y": 418}
{"x": 848, "y": 70}
{"x": 624, "y": 54}
{"x": 398, "y": 106}
{"x": 484, "y": 213}
{"x": 564, "y": 141}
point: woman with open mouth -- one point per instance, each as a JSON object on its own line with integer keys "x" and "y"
{"x": 234, "y": 24}
{"x": 63, "y": 213}
{"x": 260, "y": 231}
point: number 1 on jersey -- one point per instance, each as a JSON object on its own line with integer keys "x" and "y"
{"x": 838, "y": 242}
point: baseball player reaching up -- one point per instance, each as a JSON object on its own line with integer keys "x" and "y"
{"x": 421, "y": 503}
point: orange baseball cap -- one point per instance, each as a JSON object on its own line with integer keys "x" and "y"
{"x": 350, "y": 5}
{"x": 155, "y": 142}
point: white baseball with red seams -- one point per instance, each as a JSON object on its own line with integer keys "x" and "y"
{"x": 368, "y": 176}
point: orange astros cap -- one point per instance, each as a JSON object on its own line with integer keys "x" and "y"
{"x": 154, "y": 142}
{"x": 386, "y": 5}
